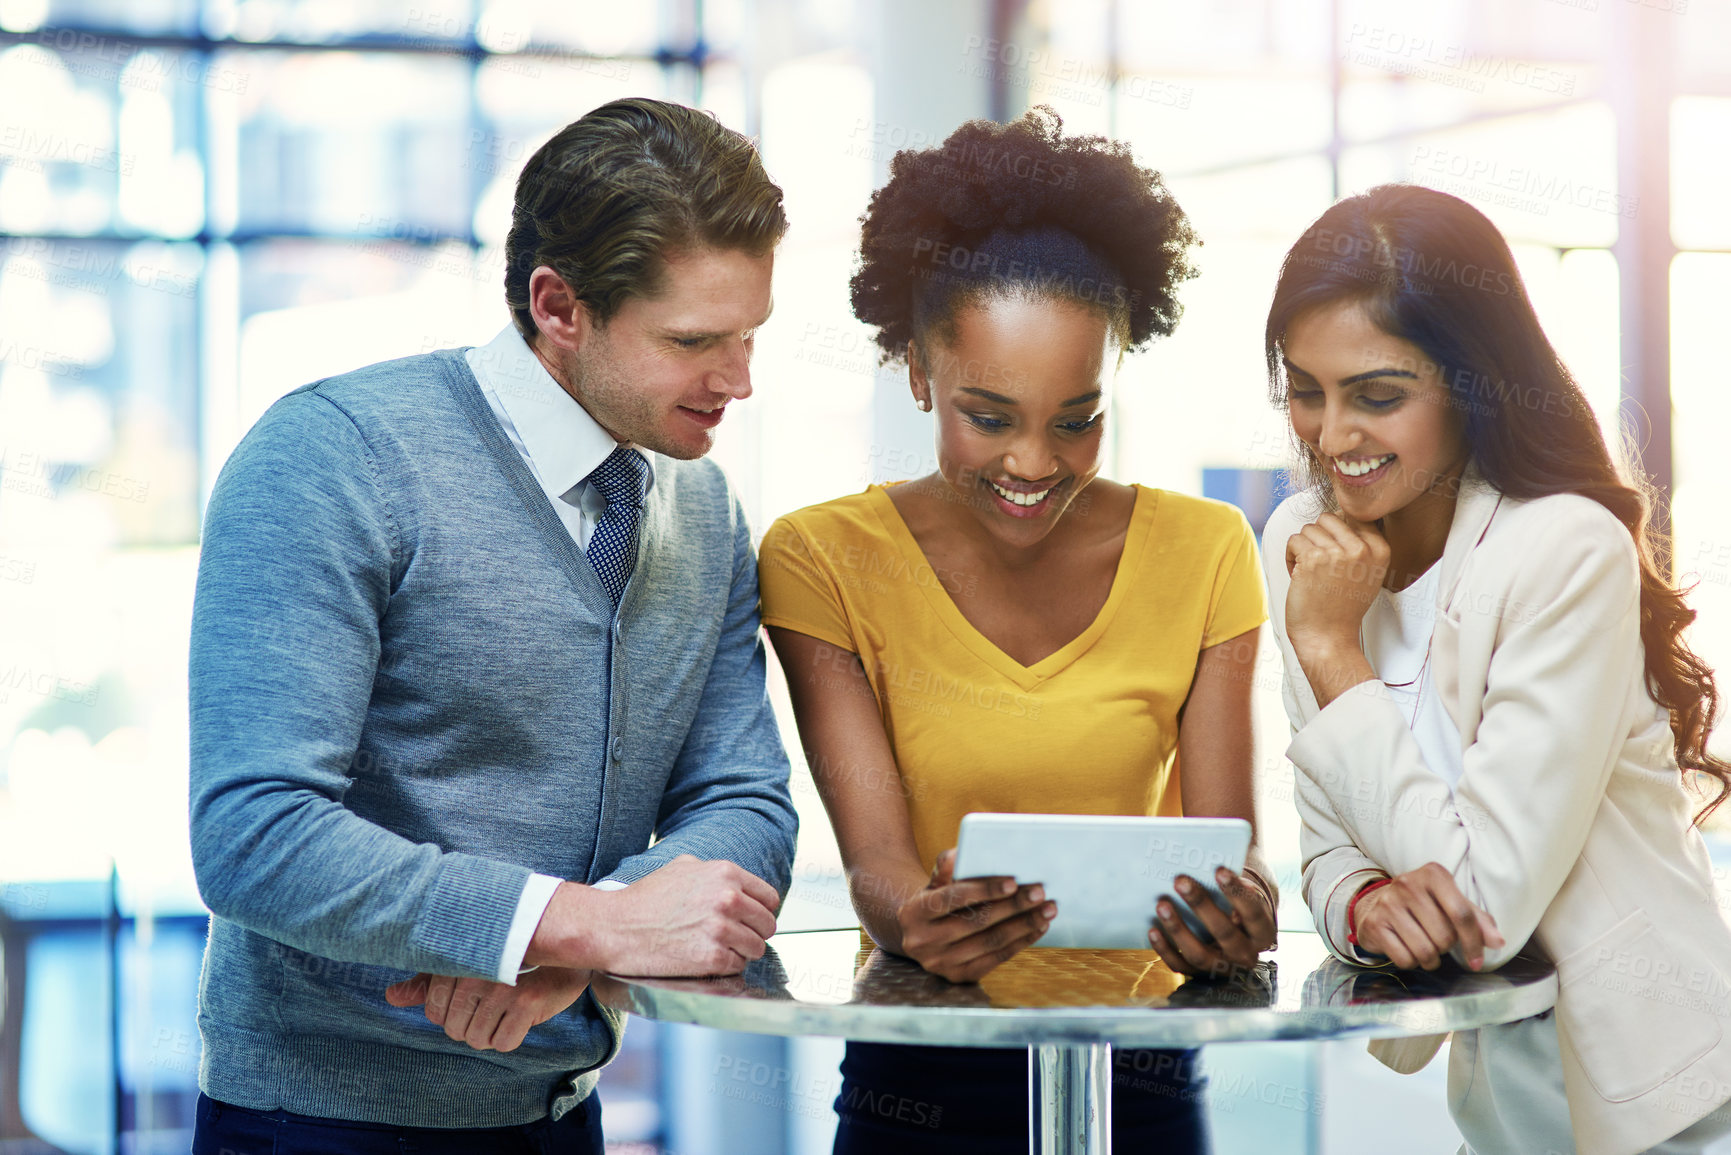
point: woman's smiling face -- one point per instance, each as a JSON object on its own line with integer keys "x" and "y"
{"x": 1374, "y": 410}
{"x": 1020, "y": 394}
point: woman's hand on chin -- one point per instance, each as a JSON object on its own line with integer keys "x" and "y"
{"x": 1239, "y": 937}
{"x": 1337, "y": 567}
{"x": 962, "y": 930}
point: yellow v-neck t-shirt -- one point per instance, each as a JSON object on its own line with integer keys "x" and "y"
{"x": 1089, "y": 729}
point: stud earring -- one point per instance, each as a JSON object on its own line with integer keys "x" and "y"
{"x": 924, "y": 405}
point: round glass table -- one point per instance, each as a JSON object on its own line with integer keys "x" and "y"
{"x": 1069, "y": 1008}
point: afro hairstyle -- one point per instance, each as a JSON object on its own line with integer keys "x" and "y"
{"x": 1013, "y": 208}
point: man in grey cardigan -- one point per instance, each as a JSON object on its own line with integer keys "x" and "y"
{"x": 472, "y": 628}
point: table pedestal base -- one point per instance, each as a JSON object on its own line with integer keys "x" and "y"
{"x": 1070, "y": 1099}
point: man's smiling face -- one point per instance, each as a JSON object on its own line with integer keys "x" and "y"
{"x": 660, "y": 371}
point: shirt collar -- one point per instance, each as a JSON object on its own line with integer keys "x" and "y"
{"x": 563, "y": 442}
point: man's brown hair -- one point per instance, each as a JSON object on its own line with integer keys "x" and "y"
{"x": 614, "y": 193}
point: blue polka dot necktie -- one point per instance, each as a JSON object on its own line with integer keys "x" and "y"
{"x": 613, "y": 545}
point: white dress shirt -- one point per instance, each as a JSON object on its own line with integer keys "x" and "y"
{"x": 562, "y": 445}
{"x": 1397, "y": 636}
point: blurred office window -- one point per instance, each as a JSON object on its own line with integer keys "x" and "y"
{"x": 150, "y": 17}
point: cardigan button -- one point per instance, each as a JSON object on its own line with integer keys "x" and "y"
{"x": 618, "y": 749}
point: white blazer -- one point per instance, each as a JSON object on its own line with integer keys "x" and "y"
{"x": 1569, "y": 824}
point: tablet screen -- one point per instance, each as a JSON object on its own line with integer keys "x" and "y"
{"x": 1105, "y": 872}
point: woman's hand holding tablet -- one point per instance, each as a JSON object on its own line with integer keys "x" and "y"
{"x": 1128, "y": 882}
{"x": 961, "y": 930}
{"x": 1239, "y": 937}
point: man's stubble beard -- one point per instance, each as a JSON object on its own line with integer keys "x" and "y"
{"x": 625, "y": 412}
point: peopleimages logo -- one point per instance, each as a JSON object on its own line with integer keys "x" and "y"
{"x": 1453, "y": 65}
{"x": 27, "y": 148}
{"x": 939, "y": 258}
{"x": 1518, "y": 186}
{"x": 1411, "y": 262}
{"x": 30, "y": 472}
{"x": 135, "y": 65}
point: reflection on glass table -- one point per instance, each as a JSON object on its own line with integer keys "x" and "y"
{"x": 1071, "y": 1007}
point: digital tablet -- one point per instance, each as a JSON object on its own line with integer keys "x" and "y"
{"x": 1105, "y": 872}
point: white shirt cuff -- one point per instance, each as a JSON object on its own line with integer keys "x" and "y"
{"x": 532, "y": 904}
{"x": 609, "y": 884}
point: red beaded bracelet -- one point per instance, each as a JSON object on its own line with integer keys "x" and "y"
{"x": 1352, "y": 908}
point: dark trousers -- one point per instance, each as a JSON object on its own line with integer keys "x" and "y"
{"x": 224, "y": 1129}
{"x": 905, "y": 1100}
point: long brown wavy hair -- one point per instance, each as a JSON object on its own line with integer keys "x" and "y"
{"x": 1432, "y": 270}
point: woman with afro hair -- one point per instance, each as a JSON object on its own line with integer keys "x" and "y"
{"x": 1014, "y": 632}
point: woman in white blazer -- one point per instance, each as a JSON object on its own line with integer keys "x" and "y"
{"x": 1489, "y": 689}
